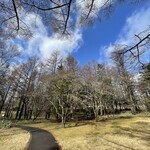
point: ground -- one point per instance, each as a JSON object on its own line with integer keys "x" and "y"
{"x": 122, "y": 133}
{"x": 13, "y": 139}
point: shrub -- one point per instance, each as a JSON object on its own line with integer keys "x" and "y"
{"x": 5, "y": 124}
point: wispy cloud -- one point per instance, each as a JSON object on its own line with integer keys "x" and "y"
{"x": 136, "y": 23}
{"x": 43, "y": 44}
{"x": 84, "y": 6}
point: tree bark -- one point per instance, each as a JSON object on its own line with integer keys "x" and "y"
{"x": 63, "y": 121}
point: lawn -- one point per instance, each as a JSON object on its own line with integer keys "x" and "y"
{"x": 123, "y": 133}
{"x": 119, "y": 134}
{"x": 13, "y": 139}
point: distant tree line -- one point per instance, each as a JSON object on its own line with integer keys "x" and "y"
{"x": 60, "y": 89}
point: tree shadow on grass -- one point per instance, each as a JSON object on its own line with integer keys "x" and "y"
{"x": 118, "y": 144}
{"x": 140, "y": 130}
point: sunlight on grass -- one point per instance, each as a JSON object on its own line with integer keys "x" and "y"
{"x": 123, "y": 133}
{"x": 13, "y": 139}
{"x": 119, "y": 134}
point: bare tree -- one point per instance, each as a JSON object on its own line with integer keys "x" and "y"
{"x": 61, "y": 14}
{"x": 62, "y": 90}
{"x": 144, "y": 86}
{"x": 62, "y": 95}
{"x": 126, "y": 78}
{"x": 97, "y": 92}
{"x": 53, "y": 62}
{"x": 26, "y": 75}
{"x": 8, "y": 53}
{"x": 139, "y": 46}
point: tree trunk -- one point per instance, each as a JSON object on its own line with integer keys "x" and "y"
{"x": 17, "y": 114}
{"x": 4, "y": 97}
{"x": 1, "y": 106}
{"x": 63, "y": 121}
{"x": 30, "y": 114}
{"x": 96, "y": 114}
{"x": 26, "y": 112}
{"x": 21, "y": 112}
{"x": 101, "y": 110}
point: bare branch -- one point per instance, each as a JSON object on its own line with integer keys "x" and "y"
{"x": 137, "y": 44}
{"x": 90, "y": 9}
{"x": 68, "y": 14}
{"x": 45, "y": 9}
{"x": 17, "y": 16}
{"x": 138, "y": 36}
{"x": 8, "y": 19}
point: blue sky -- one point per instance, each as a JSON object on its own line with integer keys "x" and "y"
{"x": 105, "y": 32}
{"x": 88, "y": 43}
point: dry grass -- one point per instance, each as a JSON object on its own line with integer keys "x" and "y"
{"x": 119, "y": 134}
{"x": 127, "y": 133}
{"x": 13, "y": 139}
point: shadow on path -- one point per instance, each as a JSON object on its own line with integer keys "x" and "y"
{"x": 40, "y": 139}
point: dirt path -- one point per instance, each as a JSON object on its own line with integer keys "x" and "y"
{"x": 40, "y": 139}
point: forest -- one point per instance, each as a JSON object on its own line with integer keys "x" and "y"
{"x": 59, "y": 87}
{"x": 62, "y": 90}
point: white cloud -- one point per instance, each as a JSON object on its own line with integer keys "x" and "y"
{"x": 135, "y": 24}
{"x": 104, "y": 53}
{"x": 64, "y": 45}
{"x": 43, "y": 44}
{"x": 98, "y": 5}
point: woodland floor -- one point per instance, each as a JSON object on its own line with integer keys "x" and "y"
{"x": 125, "y": 132}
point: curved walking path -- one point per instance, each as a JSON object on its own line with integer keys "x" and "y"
{"x": 40, "y": 139}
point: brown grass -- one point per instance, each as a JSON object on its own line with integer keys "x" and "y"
{"x": 125, "y": 133}
{"x": 119, "y": 134}
{"x": 13, "y": 139}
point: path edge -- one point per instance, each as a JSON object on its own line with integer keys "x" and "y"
{"x": 27, "y": 145}
{"x": 29, "y": 141}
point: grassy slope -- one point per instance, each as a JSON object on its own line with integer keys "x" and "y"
{"x": 13, "y": 139}
{"x": 118, "y": 134}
